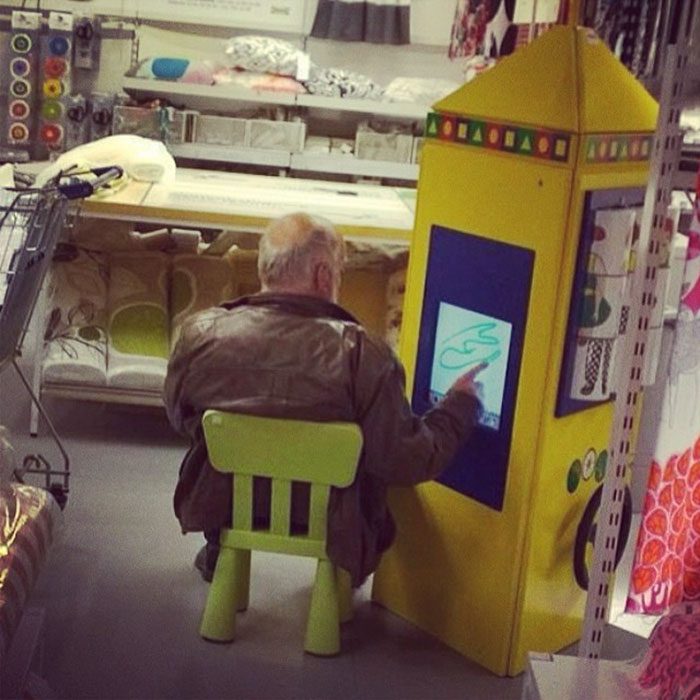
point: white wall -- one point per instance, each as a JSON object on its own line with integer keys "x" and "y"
{"x": 426, "y": 57}
{"x": 431, "y": 20}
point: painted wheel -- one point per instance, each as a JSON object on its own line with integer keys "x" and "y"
{"x": 55, "y": 67}
{"x": 19, "y": 67}
{"x": 20, "y": 87}
{"x": 52, "y": 88}
{"x": 585, "y": 535}
{"x": 19, "y": 109}
{"x": 52, "y": 110}
{"x": 59, "y": 45}
{"x": 51, "y": 133}
{"x": 21, "y": 43}
{"x": 19, "y": 133}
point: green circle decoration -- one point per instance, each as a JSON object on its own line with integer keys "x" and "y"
{"x": 601, "y": 465}
{"x": 574, "y": 477}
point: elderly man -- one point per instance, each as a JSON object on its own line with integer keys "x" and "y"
{"x": 291, "y": 352}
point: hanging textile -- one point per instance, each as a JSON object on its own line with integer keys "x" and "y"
{"x": 666, "y": 568}
{"x": 495, "y": 28}
{"x": 630, "y": 28}
{"x": 376, "y": 21}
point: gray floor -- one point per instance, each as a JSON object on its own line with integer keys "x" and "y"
{"x": 123, "y": 601}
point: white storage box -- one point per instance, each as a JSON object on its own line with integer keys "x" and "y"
{"x": 371, "y": 145}
{"x": 220, "y": 131}
{"x": 418, "y": 142}
{"x": 277, "y": 136}
{"x": 168, "y": 125}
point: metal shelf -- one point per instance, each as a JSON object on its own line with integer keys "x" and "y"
{"x": 349, "y": 165}
{"x": 213, "y": 97}
{"x": 230, "y": 154}
{"x": 398, "y": 110}
{"x": 228, "y": 97}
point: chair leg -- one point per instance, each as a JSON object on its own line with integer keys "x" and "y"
{"x": 344, "y": 595}
{"x": 243, "y": 581}
{"x": 219, "y": 618}
{"x": 323, "y": 626}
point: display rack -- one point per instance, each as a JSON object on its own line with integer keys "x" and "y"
{"x": 664, "y": 164}
{"x": 350, "y": 165}
{"x": 206, "y": 97}
{"x": 230, "y": 154}
{"x": 233, "y": 97}
{"x": 223, "y": 98}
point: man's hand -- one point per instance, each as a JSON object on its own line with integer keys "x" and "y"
{"x": 466, "y": 384}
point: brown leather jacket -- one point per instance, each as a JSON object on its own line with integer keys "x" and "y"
{"x": 289, "y": 356}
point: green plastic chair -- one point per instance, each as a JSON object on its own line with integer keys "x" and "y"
{"x": 320, "y": 454}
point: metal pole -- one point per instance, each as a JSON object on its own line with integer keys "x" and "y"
{"x": 658, "y": 196}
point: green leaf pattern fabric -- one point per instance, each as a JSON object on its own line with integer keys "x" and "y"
{"x": 76, "y": 326}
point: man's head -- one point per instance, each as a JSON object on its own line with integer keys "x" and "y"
{"x": 301, "y": 254}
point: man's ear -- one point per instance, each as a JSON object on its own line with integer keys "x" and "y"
{"x": 323, "y": 280}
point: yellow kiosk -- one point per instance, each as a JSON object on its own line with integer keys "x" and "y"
{"x": 530, "y": 181}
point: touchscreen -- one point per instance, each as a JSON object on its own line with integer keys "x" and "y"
{"x": 463, "y": 340}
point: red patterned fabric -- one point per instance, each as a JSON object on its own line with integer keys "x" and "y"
{"x": 670, "y": 669}
{"x": 28, "y": 518}
{"x": 667, "y": 561}
{"x": 666, "y": 567}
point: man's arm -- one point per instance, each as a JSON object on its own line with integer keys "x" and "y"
{"x": 177, "y": 393}
{"x": 400, "y": 447}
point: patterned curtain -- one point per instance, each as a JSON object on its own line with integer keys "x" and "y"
{"x": 495, "y": 28}
{"x": 376, "y": 21}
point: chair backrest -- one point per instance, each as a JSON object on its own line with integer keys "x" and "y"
{"x": 320, "y": 454}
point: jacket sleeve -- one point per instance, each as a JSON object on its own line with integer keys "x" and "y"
{"x": 177, "y": 393}
{"x": 400, "y": 447}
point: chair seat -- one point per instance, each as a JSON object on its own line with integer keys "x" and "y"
{"x": 322, "y": 455}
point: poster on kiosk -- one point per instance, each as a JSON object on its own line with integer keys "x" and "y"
{"x": 531, "y": 182}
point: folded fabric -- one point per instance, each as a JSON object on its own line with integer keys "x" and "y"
{"x": 258, "y": 81}
{"x": 182, "y": 70}
{"x": 138, "y": 321}
{"x": 75, "y": 336}
{"x": 143, "y": 159}
{"x": 421, "y": 91}
{"x": 335, "y": 82}
{"x": 263, "y": 54}
{"x": 198, "y": 282}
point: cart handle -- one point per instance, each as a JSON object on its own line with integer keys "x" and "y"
{"x": 82, "y": 188}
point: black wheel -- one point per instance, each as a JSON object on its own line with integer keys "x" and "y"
{"x": 587, "y": 528}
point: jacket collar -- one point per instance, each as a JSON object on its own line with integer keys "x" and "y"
{"x": 300, "y": 304}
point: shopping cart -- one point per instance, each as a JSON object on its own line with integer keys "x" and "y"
{"x": 31, "y": 221}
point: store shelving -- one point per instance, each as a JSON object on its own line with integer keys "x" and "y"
{"x": 231, "y": 97}
{"x": 349, "y": 165}
{"x": 204, "y": 97}
{"x": 231, "y": 154}
{"x": 389, "y": 110}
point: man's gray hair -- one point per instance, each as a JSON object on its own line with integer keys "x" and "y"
{"x": 293, "y": 244}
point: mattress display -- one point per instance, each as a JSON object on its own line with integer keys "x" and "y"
{"x": 198, "y": 282}
{"x": 76, "y": 328}
{"x": 138, "y": 337}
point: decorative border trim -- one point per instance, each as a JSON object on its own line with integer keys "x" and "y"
{"x": 535, "y": 143}
{"x": 617, "y": 148}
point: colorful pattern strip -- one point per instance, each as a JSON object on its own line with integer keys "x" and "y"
{"x": 618, "y": 148}
{"x": 536, "y": 143}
